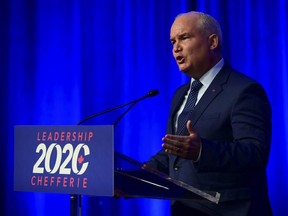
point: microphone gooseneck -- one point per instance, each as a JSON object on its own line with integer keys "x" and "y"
{"x": 151, "y": 93}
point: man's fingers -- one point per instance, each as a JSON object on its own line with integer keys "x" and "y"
{"x": 171, "y": 142}
{"x": 171, "y": 149}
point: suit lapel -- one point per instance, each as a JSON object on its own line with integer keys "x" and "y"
{"x": 215, "y": 88}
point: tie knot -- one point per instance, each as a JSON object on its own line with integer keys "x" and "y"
{"x": 196, "y": 85}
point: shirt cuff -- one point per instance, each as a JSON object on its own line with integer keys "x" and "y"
{"x": 197, "y": 160}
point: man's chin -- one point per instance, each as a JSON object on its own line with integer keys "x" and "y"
{"x": 184, "y": 70}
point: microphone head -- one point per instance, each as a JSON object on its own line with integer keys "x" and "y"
{"x": 152, "y": 93}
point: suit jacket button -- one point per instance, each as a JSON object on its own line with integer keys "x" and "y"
{"x": 176, "y": 168}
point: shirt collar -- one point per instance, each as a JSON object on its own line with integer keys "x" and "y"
{"x": 208, "y": 77}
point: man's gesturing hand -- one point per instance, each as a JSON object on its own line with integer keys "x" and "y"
{"x": 187, "y": 147}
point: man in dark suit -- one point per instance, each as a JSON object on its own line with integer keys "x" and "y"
{"x": 223, "y": 141}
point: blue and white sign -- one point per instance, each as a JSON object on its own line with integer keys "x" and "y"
{"x": 64, "y": 159}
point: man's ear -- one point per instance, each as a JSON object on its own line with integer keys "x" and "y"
{"x": 213, "y": 41}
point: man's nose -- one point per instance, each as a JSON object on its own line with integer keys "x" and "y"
{"x": 176, "y": 47}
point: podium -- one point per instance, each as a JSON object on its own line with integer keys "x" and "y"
{"x": 80, "y": 160}
{"x": 134, "y": 179}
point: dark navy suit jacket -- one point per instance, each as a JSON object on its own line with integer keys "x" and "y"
{"x": 233, "y": 119}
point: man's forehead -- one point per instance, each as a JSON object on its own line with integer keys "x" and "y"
{"x": 183, "y": 26}
{"x": 178, "y": 31}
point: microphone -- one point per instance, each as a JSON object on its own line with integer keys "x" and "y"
{"x": 151, "y": 93}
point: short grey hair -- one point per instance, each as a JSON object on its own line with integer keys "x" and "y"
{"x": 208, "y": 25}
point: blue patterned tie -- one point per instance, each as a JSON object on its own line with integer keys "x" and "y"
{"x": 189, "y": 107}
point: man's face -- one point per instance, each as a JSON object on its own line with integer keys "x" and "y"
{"x": 190, "y": 47}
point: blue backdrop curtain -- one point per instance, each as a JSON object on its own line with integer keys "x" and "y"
{"x": 61, "y": 61}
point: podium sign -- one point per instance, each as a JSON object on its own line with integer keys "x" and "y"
{"x": 64, "y": 159}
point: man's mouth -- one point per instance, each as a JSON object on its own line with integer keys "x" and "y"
{"x": 180, "y": 59}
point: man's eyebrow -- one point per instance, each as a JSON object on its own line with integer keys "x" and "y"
{"x": 185, "y": 34}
